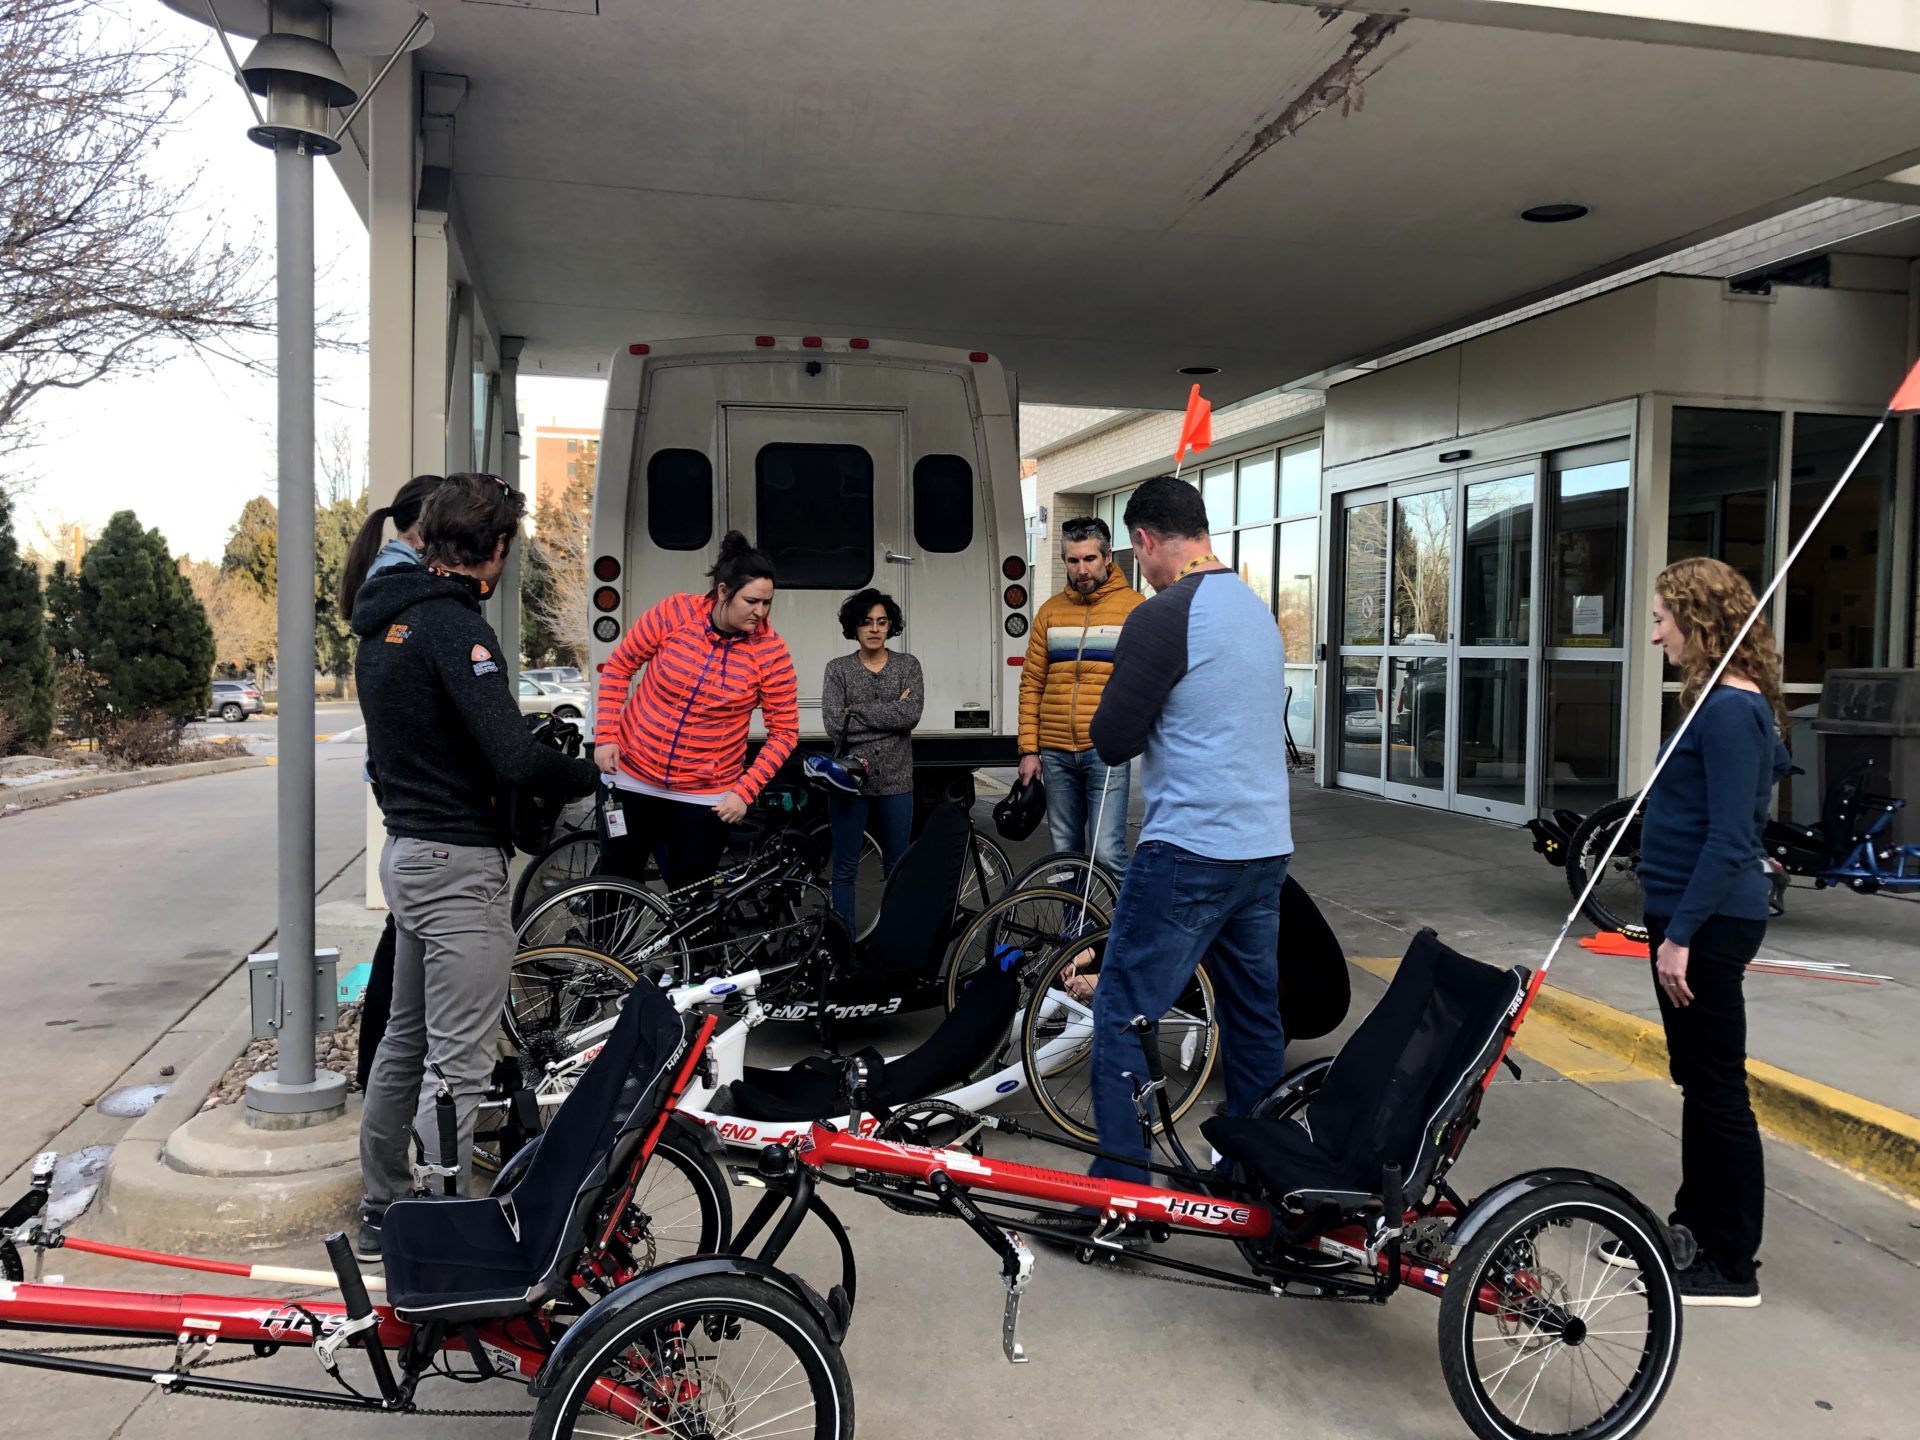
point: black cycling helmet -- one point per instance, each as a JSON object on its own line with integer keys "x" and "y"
{"x": 1017, "y": 816}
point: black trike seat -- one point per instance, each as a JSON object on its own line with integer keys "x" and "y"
{"x": 1392, "y": 1095}
{"x": 965, "y": 1039}
{"x": 459, "y": 1260}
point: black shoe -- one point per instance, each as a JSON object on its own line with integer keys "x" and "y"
{"x": 367, "y": 1245}
{"x": 1705, "y": 1283}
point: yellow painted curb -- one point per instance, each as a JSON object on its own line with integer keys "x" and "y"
{"x": 1878, "y": 1141}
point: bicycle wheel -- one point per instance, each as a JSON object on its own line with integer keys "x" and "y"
{"x": 721, "y": 1356}
{"x": 988, "y": 876}
{"x": 1018, "y": 927}
{"x": 615, "y": 917}
{"x": 570, "y": 857}
{"x": 1070, "y": 870}
{"x": 680, "y": 1208}
{"x": 1616, "y": 902}
{"x": 555, "y": 991}
{"x": 1056, "y": 1039}
{"x": 1540, "y": 1339}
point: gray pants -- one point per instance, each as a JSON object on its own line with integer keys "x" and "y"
{"x": 453, "y": 955}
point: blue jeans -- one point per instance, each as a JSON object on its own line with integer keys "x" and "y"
{"x": 1175, "y": 908}
{"x": 1074, "y": 779}
{"x": 891, "y": 823}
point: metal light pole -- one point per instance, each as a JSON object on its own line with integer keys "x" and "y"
{"x": 293, "y": 66}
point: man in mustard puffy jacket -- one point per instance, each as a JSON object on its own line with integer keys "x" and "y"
{"x": 1069, "y": 657}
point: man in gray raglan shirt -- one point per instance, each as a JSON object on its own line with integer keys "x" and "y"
{"x": 1198, "y": 692}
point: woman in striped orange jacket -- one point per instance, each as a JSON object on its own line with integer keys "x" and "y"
{"x": 673, "y": 743}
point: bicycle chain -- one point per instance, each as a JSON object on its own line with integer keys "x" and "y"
{"x": 277, "y": 1400}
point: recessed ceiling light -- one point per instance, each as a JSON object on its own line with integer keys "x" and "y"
{"x": 1553, "y": 214}
{"x": 1199, "y": 369}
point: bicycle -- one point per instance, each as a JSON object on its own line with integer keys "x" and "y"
{"x": 1335, "y": 1189}
{"x": 549, "y": 1282}
{"x": 1848, "y": 848}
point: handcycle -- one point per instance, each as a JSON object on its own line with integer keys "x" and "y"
{"x": 555, "y": 1281}
{"x": 1849, "y": 847}
{"x": 1337, "y": 1189}
{"x": 1016, "y": 1028}
{"x": 935, "y": 1087}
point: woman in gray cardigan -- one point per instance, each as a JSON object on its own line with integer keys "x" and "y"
{"x": 869, "y": 705}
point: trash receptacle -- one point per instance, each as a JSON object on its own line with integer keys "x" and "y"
{"x": 1874, "y": 715}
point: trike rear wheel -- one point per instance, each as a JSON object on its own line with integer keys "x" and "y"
{"x": 1540, "y": 1338}
{"x": 713, "y": 1355}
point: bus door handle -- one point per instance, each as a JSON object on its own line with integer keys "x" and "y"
{"x": 893, "y": 559}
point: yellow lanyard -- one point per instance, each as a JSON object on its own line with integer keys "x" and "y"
{"x": 1193, "y": 565}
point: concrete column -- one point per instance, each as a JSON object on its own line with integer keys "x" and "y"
{"x": 507, "y": 465}
{"x": 392, "y": 120}
{"x": 432, "y": 292}
{"x": 462, "y": 350}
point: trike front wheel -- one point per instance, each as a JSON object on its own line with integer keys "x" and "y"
{"x": 712, "y": 1355}
{"x": 1540, "y": 1339}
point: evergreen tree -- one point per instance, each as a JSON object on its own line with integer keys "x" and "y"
{"x": 63, "y": 612}
{"x": 26, "y": 662}
{"x": 253, "y": 545}
{"x": 334, "y": 527}
{"x": 140, "y": 626}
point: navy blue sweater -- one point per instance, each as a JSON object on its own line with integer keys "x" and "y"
{"x": 1700, "y": 845}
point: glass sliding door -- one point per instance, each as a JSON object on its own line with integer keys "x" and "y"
{"x": 1420, "y": 644}
{"x": 1493, "y": 753}
{"x": 1588, "y": 626}
{"x": 1358, "y": 709}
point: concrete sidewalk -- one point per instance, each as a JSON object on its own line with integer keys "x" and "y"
{"x": 1383, "y": 870}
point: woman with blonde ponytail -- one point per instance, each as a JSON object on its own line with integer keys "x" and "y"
{"x": 1706, "y": 901}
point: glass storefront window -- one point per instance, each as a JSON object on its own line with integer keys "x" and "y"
{"x": 1294, "y": 587}
{"x": 1255, "y": 561}
{"x": 1725, "y": 464}
{"x": 1216, "y": 488}
{"x": 1588, "y": 553}
{"x": 1422, "y": 567}
{"x": 1417, "y": 722}
{"x": 1840, "y": 589}
{"x": 1496, "y": 581}
{"x": 1363, "y": 607}
{"x": 1492, "y": 758}
{"x": 1256, "y": 490}
{"x": 1582, "y": 704}
{"x": 1362, "y": 701}
{"x": 1300, "y": 478}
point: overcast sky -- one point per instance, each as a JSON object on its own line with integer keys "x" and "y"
{"x": 187, "y": 447}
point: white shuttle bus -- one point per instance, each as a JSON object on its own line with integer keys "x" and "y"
{"x": 851, "y": 462}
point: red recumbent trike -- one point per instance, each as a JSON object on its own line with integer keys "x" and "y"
{"x": 1337, "y": 1190}
{"x": 562, "y": 1280}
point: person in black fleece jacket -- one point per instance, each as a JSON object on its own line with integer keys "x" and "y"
{"x": 446, "y": 745}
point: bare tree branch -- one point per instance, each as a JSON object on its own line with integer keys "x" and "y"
{"x": 104, "y": 269}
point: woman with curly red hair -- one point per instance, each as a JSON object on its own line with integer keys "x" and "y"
{"x": 1706, "y": 908}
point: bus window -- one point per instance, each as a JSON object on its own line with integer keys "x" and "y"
{"x": 942, "y": 504}
{"x": 679, "y": 500}
{"x": 814, "y": 512}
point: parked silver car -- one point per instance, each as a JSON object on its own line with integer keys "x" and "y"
{"x": 545, "y": 698}
{"x": 234, "y": 701}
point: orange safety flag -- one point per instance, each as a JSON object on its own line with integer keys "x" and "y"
{"x": 1905, "y": 400}
{"x": 1196, "y": 430}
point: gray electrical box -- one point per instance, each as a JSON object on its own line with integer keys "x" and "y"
{"x": 269, "y": 1000}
